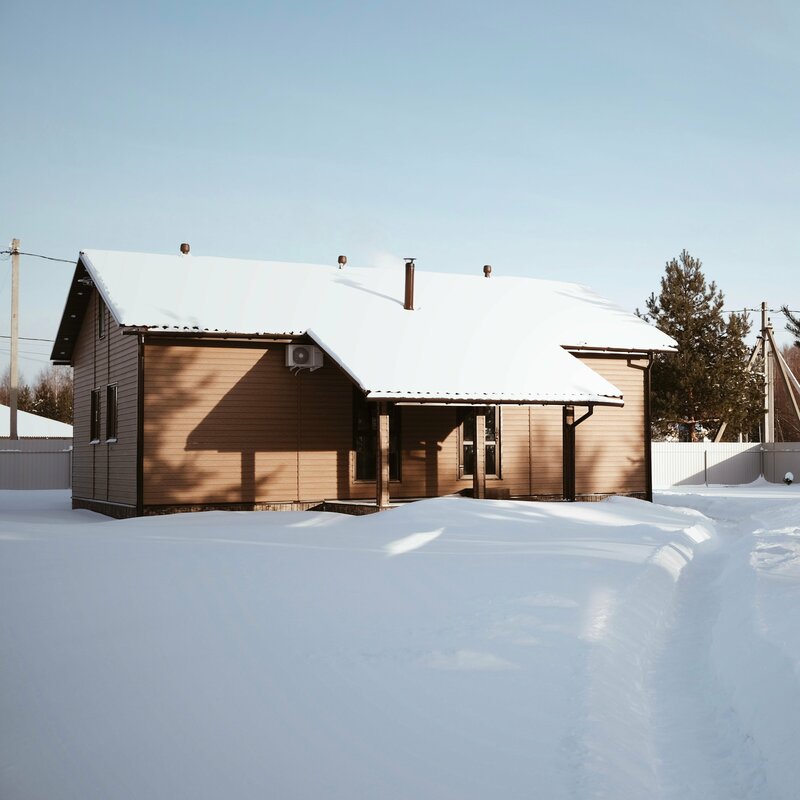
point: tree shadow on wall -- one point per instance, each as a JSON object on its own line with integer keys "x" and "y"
{"x": 278, "y": 436}
{"x": 172, "y": 390}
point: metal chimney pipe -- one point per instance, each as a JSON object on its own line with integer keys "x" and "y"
{"x": 408, "y": 305}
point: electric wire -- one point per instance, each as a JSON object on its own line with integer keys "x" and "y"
{"x": 36, "y": 255}
{"x": 27, "y": 338}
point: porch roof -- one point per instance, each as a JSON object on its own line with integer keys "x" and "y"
{"x": 469, "y": 339}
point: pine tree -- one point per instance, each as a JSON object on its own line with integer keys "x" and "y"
{"x": 705, "y": 382}
{"x": 792, "y": 324}
{"x": 24, "y": 398}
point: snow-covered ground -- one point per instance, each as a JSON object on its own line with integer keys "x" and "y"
{"x": 447, "y": 649}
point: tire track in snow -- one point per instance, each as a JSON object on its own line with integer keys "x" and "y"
{"x": 704, "y": 752}
{"x": 659, "y": 722}
{"x": 617, "y": 743}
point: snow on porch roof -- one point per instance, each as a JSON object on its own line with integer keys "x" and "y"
{"x": 469, "y": 338}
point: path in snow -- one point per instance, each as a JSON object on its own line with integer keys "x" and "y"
{"x": 719, "y": 677}
{"x": 718, "y": 761}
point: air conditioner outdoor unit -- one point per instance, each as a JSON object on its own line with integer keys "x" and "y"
{"x": 303, "y": 356}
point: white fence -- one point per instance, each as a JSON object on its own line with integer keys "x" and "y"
{"x": 35, "y": 463}
{"x": 694, "y": 463}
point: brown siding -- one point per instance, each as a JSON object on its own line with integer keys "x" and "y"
{"x": 105, "y": 471}
{"x": 431, "y": 441}
{"x": 123, "y": 371}
{"x": 220, "y": 425}
{"x": 229, "y": 423}
{"x": 546, "y": 453}
{"x": 429, "y": 452}
{"x": 610, "y": 446}
{"x": 515, "y": 455}
{"x": 83, "y": 382}
{"x": 325, "y": 461}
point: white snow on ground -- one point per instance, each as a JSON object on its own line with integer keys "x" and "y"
{"x": 447, "y": 649}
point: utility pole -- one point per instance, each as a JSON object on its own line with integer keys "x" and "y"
{"x": 767, "y": 358}
{"x": 14, "y": 387}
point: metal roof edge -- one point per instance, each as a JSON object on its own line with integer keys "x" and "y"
{"x": 417, "y": 399}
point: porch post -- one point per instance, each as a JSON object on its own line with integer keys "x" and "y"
{"x": 479, "y": 472}
{"x": 568, "y": 448}
{"x": 382, "y": 457}
{"x": 568, "y": 452}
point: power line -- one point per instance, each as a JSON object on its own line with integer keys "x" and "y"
{"x": 38, "y": 255}
{"x": 43, "y": 356}
{"x": 28, "y": 339}
{"x": 745, "y": 310}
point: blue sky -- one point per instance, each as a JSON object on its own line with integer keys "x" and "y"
{"x": 581, "y": 141}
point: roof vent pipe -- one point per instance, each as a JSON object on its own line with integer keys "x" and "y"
{"x": 408, "y": 305}
{"x": 185, "y": 248}
{"x": 487, "y": 270}
{"x": 342, "y": 261}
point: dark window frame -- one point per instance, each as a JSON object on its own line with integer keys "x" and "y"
{"x": 112, "y": 412}
{"x": 365, "y": 441}
{"x": 466, "y": 440}
{"x": 94, "y": 416}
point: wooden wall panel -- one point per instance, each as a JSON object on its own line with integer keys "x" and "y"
{"x": 231, "y": 424}
{"x": 431, "y": 444}
{"x": 101, "y": 362}
{"x": 546, "y": 452}
{"x": 429, "y": 452}
{"x": 325, "y": 406}
{"x": 610, "y": 446}
{"x": 122, "y": 361}
{"x": 515, "y": 422}
{"x": 220, "y": 425}
{"x": 83, "y": 382}
{"x": 107, "y": 470}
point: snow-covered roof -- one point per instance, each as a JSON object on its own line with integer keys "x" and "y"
{"x": 33, "y": 426}
{"x": 469, "y": 338}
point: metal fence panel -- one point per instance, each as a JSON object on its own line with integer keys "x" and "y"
{"x": 696, "y": 463}
{"x": 780, "y": 458}
{"x": 35, "y": 463}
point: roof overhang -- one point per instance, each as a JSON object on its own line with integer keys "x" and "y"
{"x": 80, "y": 291}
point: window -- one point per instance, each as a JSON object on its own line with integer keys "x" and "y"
{"x": 467, "y": 428}
{"x": 365, "y": 434}
{"x": 101, "y": 318}
{"x": 94, "y": 418}
{"x": 111, "y": 413}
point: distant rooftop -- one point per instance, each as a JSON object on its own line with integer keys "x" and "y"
{"x": 32, "y": 425}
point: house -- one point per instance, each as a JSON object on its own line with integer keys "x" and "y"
{"x": 219, "y": 383}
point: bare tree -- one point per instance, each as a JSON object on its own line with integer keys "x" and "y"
{"x": 52, "y": 394}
